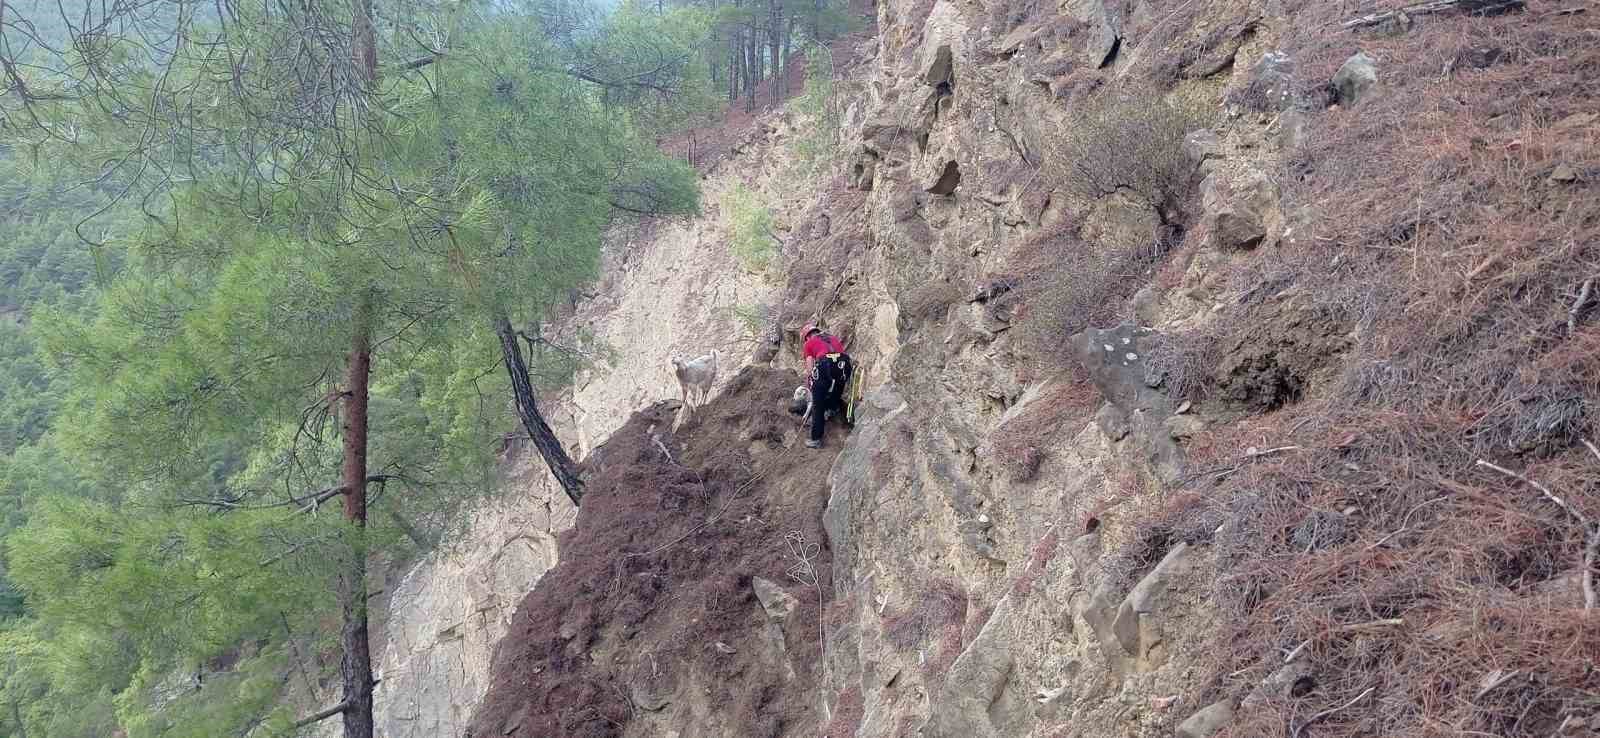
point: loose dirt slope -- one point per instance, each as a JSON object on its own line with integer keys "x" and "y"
{"x": 650, "y": 623}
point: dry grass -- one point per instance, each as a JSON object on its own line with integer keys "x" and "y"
{"x": 1443, "y": 592}
{"x": 943, "y": 603}
{"x": 848, "y": 710}
{"x": 1073, "y": 285}
{"x": 929, "y": 301}
{"x": 1182, "y": 518}
{"x": 943, "y": 654}
{"x": 1044, "y": 551}
{"x": 1020, "y": 446}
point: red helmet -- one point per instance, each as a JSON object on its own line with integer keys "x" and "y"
{"x": 809, "y": 329}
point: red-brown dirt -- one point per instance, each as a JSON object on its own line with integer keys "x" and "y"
{"x": 658, "y": 572}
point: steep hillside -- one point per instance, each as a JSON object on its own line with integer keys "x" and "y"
{"x": 688, "y": 595}
{"x": 1232, "y": 371}
{"x": 670, "y": 286}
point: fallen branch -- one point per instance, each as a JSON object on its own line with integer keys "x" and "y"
{"x": 1553, "y": 497}
{"x": 1591, "y": 554}
{"x": 1493, "y": 680}
{"x": 662, "y": 447}
{"x": 1351, "y": 628}
{"x": 1405, "y": 524}
{"x": 1252, "y": 453}
{"x": 1479, "y": 7}
{"x": 1578, "y": 305}
{"x": 1386, "y": 623}
{"x": 1591, "y": 530}
{"x": 1332, "y": 710}
{"x": 1485, "y": 264}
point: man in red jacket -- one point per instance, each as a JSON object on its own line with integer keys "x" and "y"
{"x": 829, "y": 369}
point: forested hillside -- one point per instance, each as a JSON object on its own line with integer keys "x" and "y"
{"x": 271, "y": 291}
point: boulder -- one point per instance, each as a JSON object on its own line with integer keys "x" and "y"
{"x": 1243, "y": 214}
{"x": 778, "y": 603}
{"x": 1101, "y": 47}
{"x": 939, "y": 68}
{"x": 1117, "y": 360}
{"x": 1112, "y": 421}
{"x": 948, "y": 181}
{"x": 1144, "y": 600}
{"x": 978, "y": 699}
{"x": 1271, "y": 84}
{"x": 1355, "y": 78}
{"x": 939, "y": 55}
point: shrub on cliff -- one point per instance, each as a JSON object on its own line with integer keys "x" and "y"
{"x": 1122, "y": 141}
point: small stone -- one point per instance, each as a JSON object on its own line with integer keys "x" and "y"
{"x": 1130, "y": 356}
{"x": 1183, "y": 407}
{"x": 725, "y": 648}
{"x": 1207, "y": 722}
{"x": 1564, "y": 173}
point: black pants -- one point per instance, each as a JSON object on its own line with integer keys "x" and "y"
{"x": 827, "y": 391}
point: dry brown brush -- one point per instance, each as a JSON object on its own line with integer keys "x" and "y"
{"x": 1123, "y": 141}
{"x": 1456, "y": 226}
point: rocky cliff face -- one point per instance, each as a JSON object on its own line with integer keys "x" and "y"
{"x": 1113, "y": 375}
{"x": 1153, "y": 443}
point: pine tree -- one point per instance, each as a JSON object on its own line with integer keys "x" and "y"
{"x": 333, "y": 255}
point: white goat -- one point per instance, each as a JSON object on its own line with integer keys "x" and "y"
{"x": 800, "y": 403}
{"x": 695, "y": 376}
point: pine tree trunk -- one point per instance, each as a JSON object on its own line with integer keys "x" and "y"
{"x": 555, "y": 456}
{"x": 356, "y": 667}
{"x": 735, "y": 68}
{"x": 774, "y": 39}
{"x": 752, "y": 71}
{"x": 715, "y": 67}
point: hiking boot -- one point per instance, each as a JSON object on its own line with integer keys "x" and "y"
{"x": 813, "y": 444}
